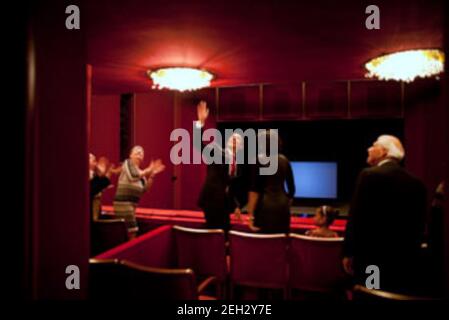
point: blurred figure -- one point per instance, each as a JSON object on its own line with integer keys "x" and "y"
{"x": 269, "y": 203}
{"x": 386, "y": 220}
{"x": 225, "y": 189}
{"x": 99, "y": 176}
{"x": 132, "y": 183}
{"x": 324, "y": 217}
{"x": 436, "y": 239}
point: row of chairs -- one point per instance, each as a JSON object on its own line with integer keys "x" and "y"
{"x": 207, "y": 257}
{"x": 117, "y": 280}
{"x": 277, "y": 261}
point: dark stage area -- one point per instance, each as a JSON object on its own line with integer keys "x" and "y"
{"x": 341, "y": 141}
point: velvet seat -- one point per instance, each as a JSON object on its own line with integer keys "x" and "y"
{"x": 107, "y": 234}
{"x": 202, "y": 250}
{"x": 124, "y": 280}
{"x": 316, "y": 263}
{"x": 258, "y": 260}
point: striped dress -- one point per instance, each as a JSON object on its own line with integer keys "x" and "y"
{"x": 130, "y": 188}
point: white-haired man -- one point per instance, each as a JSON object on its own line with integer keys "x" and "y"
{"x": 386, "y": 220}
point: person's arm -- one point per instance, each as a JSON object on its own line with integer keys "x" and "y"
{"x": 350, "y": 232}
{"x": 355, "y": 207}
{"x": 253, "y": 198}
{"x": 155, "y": 168}
{"x": 212, "y": 148}
{"x": 202, "y": 113}
{"x": 291, "y": 190}
{"x": 421, "y": 232}
{"x": 115, "y": 170}
{"x": 255, "y": 189}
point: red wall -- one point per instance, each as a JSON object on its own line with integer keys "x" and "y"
{"x": 154, "y": 116}
{"x": 425, "y": 127}
{"x": 153, "y": 123}
{"x": 105, "y": 134}
{"x": 191, "y": 176}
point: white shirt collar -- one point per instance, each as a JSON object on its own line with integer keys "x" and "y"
{"x": 384, "y": 161}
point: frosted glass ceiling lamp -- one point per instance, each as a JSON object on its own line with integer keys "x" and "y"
{"x": 181, "y": 79}
{"x": 406, "y": 65}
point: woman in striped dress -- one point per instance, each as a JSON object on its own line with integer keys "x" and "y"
{"x": 132, "y": 183}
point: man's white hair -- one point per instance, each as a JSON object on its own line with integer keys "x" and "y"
{"x": 392, "y": 145}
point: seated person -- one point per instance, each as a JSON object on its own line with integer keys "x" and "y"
{"x": 324, "y": 217}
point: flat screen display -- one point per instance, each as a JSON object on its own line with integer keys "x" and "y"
{"x": 315, "y": 180}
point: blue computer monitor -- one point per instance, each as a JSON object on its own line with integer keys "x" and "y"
{"x": 315, "y": 180}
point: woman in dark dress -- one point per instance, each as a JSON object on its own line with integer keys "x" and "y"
{"x": 269, "y": 202}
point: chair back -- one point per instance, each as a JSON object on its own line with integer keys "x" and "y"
{"x": 202, "y": 250}
{"x": 259, "y": 259}
{"x": 107, "y": 234}
{"x": 130, "y": 281}
{"x": 315, "y": 263}
{"x": 105, "y": 279}
{"x": 364, "y": 294}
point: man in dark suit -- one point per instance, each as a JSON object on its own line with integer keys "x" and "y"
{"x": 225, "y": 189}
{"x": 386, "y": 220}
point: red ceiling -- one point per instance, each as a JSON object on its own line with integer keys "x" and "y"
{"x": 249, "y": 41}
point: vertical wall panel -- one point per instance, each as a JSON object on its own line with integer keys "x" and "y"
{"x": 105, "y": 134}
{"x": 326, "y": 100}
{"x": 282, "y": 102}
{"x": 192, "y": 175}
{"x": 371, "y": 99}
{"x": 239, "y": 103}
{"x": 153, "y": 124}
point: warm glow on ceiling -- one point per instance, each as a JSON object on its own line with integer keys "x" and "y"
{"x": 181, "y": 79}
{"x": 406, "y": 65}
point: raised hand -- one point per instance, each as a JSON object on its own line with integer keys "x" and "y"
{"x": 238, "y": 214}
{"x": 251, "y": 225}
{"x": 202, "y": 111}
{"x": 102, "y": 167}
{"x": 150, "y": 167}
{"x": 110, "y": 171}
{"x": 158, "y": 166}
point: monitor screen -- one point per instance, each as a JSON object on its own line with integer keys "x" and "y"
{"x": 315, "y": 179}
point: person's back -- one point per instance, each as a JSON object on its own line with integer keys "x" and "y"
{"x": 393, "y": 212}
{"x": 273, "y": 209}
{"x": 386, "y": 220}
{"x": 390, "y": 220}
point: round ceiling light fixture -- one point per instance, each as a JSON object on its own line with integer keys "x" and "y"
{"x": 180, "y": 78}
{"x": 406, "y": 65}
